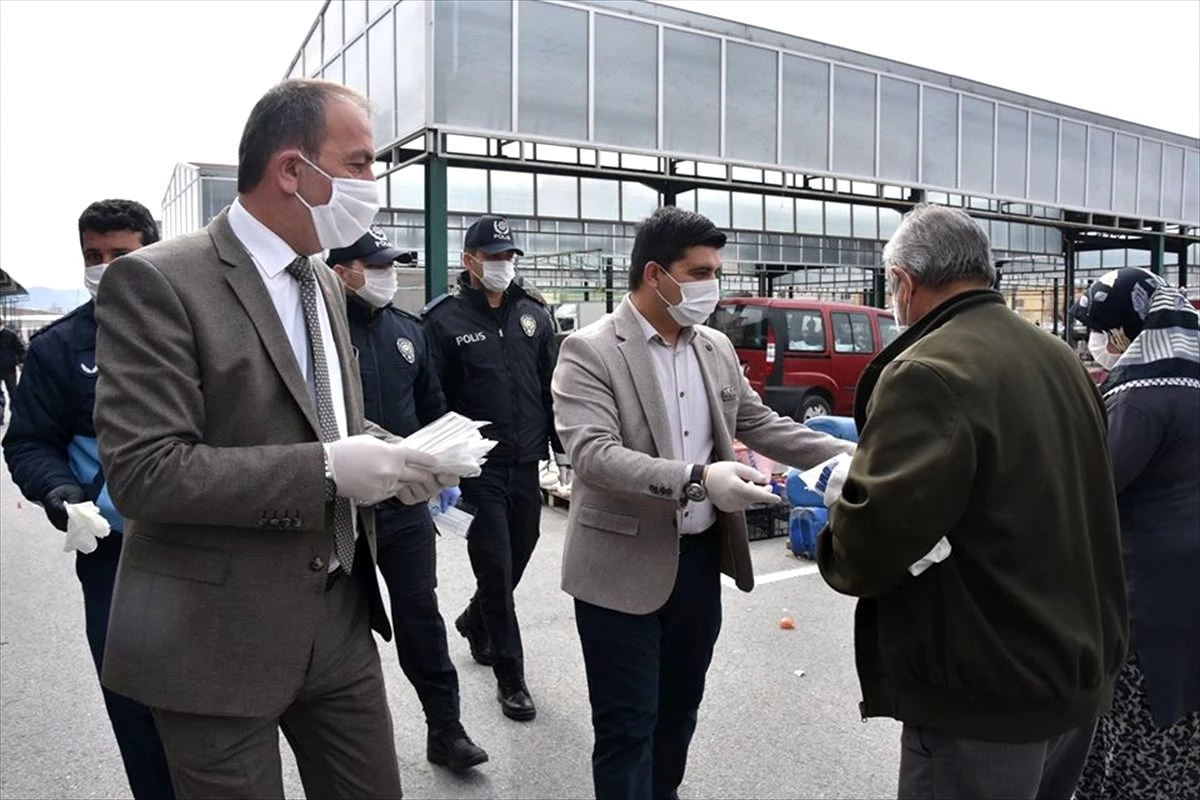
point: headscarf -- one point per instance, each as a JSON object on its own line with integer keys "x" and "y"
{"x": 1162, "y": 328}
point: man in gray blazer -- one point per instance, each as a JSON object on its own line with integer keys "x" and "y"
{"x": 230, "y": 426}
{"x": 647, "y": 402}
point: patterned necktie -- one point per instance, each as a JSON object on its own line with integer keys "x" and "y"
{"x": 343, "y": 531}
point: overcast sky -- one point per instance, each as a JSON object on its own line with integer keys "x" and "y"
{"x": 101, "y": 98}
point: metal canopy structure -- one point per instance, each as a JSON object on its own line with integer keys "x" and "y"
{"x": 575, "y": 118}
{"x": 11, "y": 293}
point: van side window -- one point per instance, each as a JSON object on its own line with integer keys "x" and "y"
{"x": 864, "y": 337}
{"x": 852, "y": 333}
{"x": 888, "y": 330}
{"x": 806, "y": 331}
{"x": 746, "y": 326}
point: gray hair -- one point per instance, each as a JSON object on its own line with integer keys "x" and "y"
{"x": 939, "y": 245}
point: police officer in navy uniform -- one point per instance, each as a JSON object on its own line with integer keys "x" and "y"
{"x": 50, "y": 448}
{"x": 401, "y": 392}
{"x": 495, "y": 349}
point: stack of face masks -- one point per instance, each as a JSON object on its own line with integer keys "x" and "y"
{"x": 455, "y": 441}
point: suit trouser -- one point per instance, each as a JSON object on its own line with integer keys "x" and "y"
{"x": 338, "y": 725}
{"x": 137, "y": 737}
{"x": 646, "y": 675}
{"x": 507, "y": 502}
{"x": 408, "y": 561}
{"x": 934, "y": 766}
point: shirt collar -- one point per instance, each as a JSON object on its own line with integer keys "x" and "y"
{"x": 685, "y": 334}
{"x": 270, "y": 253}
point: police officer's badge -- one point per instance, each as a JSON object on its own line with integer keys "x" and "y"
{"x": 406, "y": 348}
{"x": 500, "y": 227}
{"x": 528, "y": 324}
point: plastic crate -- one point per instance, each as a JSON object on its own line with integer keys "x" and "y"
{"x": 768, "y": 523}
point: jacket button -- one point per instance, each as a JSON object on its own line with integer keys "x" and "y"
{"x": 317, "y": 563}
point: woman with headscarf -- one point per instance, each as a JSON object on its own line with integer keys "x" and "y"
{"x": 1148, "y": 337}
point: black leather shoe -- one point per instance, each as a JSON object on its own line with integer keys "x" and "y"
{"x": 481, "y": 649}
{"x": 449, "y": 746}
{"x": 515, "y": 701}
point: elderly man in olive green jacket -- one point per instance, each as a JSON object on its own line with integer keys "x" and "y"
{"x": 978, "y": 524}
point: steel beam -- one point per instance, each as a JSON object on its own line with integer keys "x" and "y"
{"x": 436, "y": 223}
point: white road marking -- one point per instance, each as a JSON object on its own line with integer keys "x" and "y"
{"x": 775, "y": 577}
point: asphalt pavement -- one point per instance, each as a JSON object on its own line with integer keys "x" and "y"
{"x": 779, "y": 719}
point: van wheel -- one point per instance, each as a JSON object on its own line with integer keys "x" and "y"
{"x": 813, "y": 405}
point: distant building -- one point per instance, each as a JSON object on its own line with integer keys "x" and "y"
{"x": 197, "y": 193}
{"x": 576, "y": 118}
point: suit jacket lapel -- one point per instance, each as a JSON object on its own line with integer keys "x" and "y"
{"x": 636, "y": 351}
{"x": 706, "y": 355}
{"x": 252, "y": 293}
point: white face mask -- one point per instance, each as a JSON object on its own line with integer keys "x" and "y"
{"x": 497, "y": 275}
{"x": 379, "y": 287}
{"x": 349, "y": 213}
{"x": 1098, "y": 347}
{"x": 698, "y": 302}
{"x": 92, "y": 276}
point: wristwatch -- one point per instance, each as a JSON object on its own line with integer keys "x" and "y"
{"x": 694, "y": 489}
{"x": 330, "y": 483}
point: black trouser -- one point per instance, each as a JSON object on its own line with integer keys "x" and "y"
{"x": 934, "y": 766}
{"x": 137, "y": 737}
{"x": 507, "y": 503}
{"x": 408, "y": 562}
{"x": 646, "y": 677}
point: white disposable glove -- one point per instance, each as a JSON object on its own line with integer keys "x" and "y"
{"x": 735, "y": 487}
{"x": 420, "y": 491}
{"x": 85, "y": 527}
{"x": 370, "y": 470}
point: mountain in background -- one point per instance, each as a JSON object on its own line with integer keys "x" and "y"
{"x": 43, "y": 299}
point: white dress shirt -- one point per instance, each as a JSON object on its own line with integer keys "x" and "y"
{"x": 272, "y": 256}
{"x": 689, "y": 417}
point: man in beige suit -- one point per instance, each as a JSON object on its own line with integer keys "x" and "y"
{"x": 230, "y": 425}
{"x": 647, "y": 402}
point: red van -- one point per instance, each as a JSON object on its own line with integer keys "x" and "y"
{"x": 804, "y": 357}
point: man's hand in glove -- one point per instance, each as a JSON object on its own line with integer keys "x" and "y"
{"x": 416, "y": 492}
{"x": 370, "y": 470}
{"x": 735, "y": 487}
{"x": 55, "y": 503}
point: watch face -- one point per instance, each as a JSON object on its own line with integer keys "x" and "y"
{"x": 695, "y": 492}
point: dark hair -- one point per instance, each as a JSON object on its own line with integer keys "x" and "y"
{"x": 290, "y": 114}
{"x": 105, "y": 216}
{"x": 665, "y": 236}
